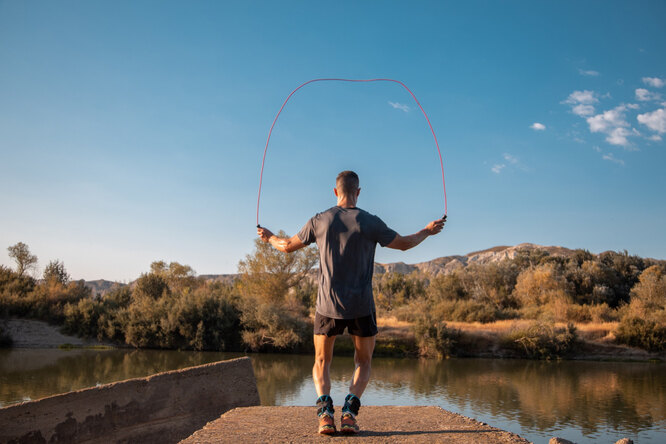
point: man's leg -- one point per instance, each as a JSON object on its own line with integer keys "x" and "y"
{"x": 364, "y": 346}
{"x": 323, "y": 357}
{"x": 322, "y": 380}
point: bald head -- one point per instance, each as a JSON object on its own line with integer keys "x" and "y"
{"x": 347, "y": 183}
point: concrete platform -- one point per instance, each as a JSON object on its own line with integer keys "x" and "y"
{"x": 385, "y": 424}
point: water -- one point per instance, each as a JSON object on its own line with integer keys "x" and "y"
{"x": 584, "y": 402}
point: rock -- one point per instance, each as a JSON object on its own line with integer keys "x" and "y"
{"x": 624, "y": 441}
{"x": 557, "y": 440}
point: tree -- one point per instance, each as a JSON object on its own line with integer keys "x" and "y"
{"x": 269, "y": 274}
{"x": 55, "y": 272}
{"x": 177, "y": 276}
{"x": 151, "y": 285}
{"x": 272, "y": 313}
{"x": 20, "y": 253}
{"x": 540, "y": 285}
{"x": 648, "y": 297}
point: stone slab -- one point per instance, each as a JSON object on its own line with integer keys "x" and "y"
{"x": 379, "y": 424}
{"x": 162, "y": 408}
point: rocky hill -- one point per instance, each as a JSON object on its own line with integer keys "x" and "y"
{"x": 447, "y": 264}
{"x": 101, "y": 286}
{"x": 434, "y": 267}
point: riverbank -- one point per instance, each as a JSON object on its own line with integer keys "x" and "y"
{"x": 595, "y": 341}
{"x": 31, "y": 333}
{"x": 395, "y": 339}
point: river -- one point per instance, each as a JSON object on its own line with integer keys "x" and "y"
{"x": 582, "y": 401}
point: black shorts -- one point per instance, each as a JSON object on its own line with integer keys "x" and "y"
{"x": 364, "y": 327}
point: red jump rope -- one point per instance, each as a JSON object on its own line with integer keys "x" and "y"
{"x": 263, "y": 160}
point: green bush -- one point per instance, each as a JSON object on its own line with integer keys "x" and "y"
{"x": 541, "y": 340}
{"x": 465, "y": 311}
{"x": 270, "y": 327}
{"x": 435, "y": 339}
{"x": 645, "y": 334}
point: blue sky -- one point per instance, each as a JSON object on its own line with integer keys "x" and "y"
{"x": 133, "y": 131}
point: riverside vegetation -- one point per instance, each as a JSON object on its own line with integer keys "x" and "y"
{"x": 545, "y": 299}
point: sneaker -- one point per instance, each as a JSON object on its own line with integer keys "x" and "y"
{"x": 348, "y": 423}
{"x": 326, "y": 424}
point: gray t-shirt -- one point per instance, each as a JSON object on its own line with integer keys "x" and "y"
{"x": 346, "y": 238}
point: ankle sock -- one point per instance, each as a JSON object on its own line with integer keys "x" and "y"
{"x": 325, "y": 405}
{"x": 352, "y": 404}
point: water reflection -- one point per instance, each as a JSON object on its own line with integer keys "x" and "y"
{"x": 32, "y": 374}
{"x": 582, "y": 401}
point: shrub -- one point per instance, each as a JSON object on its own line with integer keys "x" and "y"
{"x": 603, "y": 313}
{"x": 435, "y": 339}
{"x": 465, "y": 311}
{"x": 395, "y": 289}
{"x": 82, "y": 318}
{"x": 541, "y": 340}
{"x": 271, "y": 326}
{"x": 645, "y": 334}
{"x": 541, "y": 285}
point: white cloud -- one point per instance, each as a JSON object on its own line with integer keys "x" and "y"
{"x": 583, "y": 110}
{"x": 608, "y": 120}
{"x": 400, "y": 106}
{"x": 655, "y": 138}
{"x": 509, "y": 158}
{"x": 618, "y": 136}
{"x": 654, "y": 82}
{"x": 613, "y": 124}
{"x": 497, "y": 168}
{"x": 644, "y": 95}
{"x": 632, "y": 106}
{"x": 655, "y": 120}
{"x": 538, "y": 126}
{"x": 612, "y": 158}
{"x": 596, "y": 148}
{"x": 581, "y": 102}
{"x": 585, "y": 97}
{"x": 590, "y": 72}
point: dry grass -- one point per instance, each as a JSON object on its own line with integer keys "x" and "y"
{"x": 395, "y": 329}
{"x": 597, "y": 331}
{"x": 592, "y": 331}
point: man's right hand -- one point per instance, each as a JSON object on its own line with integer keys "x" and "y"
{"x": 264, "y": 233}
{"x": 435, "y": 226}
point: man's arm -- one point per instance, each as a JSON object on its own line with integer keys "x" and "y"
{"x": 406, "y": 242}
{"x": 286, "y": 245}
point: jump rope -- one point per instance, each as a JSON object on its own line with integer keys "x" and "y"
{"x": 263, "y": 160}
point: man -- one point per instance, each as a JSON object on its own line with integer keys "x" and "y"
{"x": 346, "y": 237}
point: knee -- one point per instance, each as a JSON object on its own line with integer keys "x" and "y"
{"x": 322, "y": 361}
{"x": 363, "y": 361}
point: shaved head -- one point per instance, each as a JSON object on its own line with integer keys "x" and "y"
{"x": 347, "y": 183}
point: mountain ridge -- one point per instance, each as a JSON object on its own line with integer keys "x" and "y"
{"x": 444, "y": 264}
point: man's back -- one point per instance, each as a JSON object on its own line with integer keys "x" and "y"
{"x": 346, "y": 238}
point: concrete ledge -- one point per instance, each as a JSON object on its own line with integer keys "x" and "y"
{"x": 387, "y": 424}
{"x": 163, "y": 408}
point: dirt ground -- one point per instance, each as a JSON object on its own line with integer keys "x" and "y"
{"x": 29, "y": 333}
{"x": 385, "y": 424}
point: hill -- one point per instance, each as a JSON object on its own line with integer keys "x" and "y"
{"x": 448, "y": 264}
{"x": 445, "y": 264}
